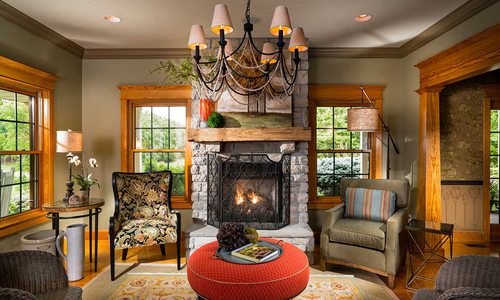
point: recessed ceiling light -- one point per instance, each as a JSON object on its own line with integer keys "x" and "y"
{"x": 113, "y": 19}
{"x": 362, "y": 18}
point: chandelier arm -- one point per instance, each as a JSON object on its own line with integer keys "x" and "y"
{"x": 253, "y": 90}
{"x": 284, "y": 69}
{"x": 256, "y": 49}
{"x": 290, "y": 74}
{"x": 239, "y": 45}
{"x": 203, "y": 79}
{"x": 248, "y": 93}
{"x": 243, "y": 75}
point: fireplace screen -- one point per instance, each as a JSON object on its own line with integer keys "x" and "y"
{"x": 249, "y": 188}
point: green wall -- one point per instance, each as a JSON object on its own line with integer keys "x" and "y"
{"x": 20, "y": 45}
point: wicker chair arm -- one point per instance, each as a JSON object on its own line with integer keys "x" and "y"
{"x": 15, "y": 294}
{"x": 470, "y": 293}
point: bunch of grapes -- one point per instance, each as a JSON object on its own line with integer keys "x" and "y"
{"x": 232, "y": 236}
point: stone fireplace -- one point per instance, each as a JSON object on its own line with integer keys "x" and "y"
{"x": 253, "y": 189}
{"x": 262, "y": 183}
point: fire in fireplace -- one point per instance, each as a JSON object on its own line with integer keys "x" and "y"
{"x": 249, "y": 188}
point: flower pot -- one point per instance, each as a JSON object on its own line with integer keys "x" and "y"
{"x": 84, "y": 196}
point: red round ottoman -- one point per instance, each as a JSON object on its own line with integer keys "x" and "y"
{"x": 213, "y": 278}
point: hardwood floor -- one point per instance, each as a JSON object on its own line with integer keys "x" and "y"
{"x": 153, "y": 254}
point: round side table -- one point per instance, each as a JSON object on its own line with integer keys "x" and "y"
{"x": 93, "y": 207}
{"x": 213, "y": 278}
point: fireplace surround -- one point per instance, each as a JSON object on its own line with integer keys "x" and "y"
{"x": 253, "y": 189}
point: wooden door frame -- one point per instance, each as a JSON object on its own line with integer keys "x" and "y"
{"x": 474, "y": 56}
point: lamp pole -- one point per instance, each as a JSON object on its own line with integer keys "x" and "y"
{"x": 385, "y": 128}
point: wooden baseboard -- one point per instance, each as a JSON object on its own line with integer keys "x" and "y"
{"x": 469, "y": 237}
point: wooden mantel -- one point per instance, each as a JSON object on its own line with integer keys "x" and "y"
{"x": 299, "y": 134}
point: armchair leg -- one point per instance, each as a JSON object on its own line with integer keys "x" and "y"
{"x": 124, "y": 254}
{"x": 390, "y": 280}
{"x": 162, "y": 248}
{"x": 112, "y": 257}
{"x": 179, "y": 232}
{"x": 323, "y": 264}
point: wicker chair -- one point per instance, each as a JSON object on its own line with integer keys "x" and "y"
{"x": 142, "y": 214}
{"x": 468, "y": 277}
{"x": 34, "y": 275}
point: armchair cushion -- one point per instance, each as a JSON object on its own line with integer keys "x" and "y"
{"x": 369, "y": 204}
{"x": 363, "y": 233}
{"x": 145, "y": 232}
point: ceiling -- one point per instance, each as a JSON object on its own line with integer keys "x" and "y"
{"x": 166, "y": 23}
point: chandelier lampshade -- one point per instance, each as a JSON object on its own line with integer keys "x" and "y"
{"x": 298, "y": 40}
{"x": 363, "y": 119}
{"x": 197, "y": 37}
{"x": 281, "y": 21}
{"x": 221, "y": 20}
{"x": 266, "y": 56}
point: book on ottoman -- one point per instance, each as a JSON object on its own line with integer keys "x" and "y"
{"x": 255, "y": 252}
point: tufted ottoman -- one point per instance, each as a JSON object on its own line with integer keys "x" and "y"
{"x": 213, "y": 278}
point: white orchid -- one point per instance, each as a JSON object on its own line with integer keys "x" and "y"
{"x": 93, "y": 163}
{"x": 75, "y": 160}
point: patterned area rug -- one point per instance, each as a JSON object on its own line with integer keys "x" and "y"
{"x": 151, "y": 282}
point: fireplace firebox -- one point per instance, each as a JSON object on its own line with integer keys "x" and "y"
{"x": 253, "y": 189}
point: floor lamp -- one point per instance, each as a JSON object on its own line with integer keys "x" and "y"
{"x": 68, "y": 142}
{"x": 366, "y": 119}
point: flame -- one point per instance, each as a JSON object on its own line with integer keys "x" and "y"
{"x": 254, "y": 198}
{"x": 240, "y": 197}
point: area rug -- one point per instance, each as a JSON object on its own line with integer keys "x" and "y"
{"x": 162, "y": 282}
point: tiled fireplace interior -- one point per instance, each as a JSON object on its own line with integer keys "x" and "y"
{"x": 275, "y": 200}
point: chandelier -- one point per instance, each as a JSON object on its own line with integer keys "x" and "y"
{"x": 247, "y": 70}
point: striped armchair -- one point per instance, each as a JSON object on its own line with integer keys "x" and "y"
{"x": 466, "y": 278}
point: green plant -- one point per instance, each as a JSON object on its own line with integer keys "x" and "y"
{"x": 84, "y": 180}
{"x": 215, "y": 120}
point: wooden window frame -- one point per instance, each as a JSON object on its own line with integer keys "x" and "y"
{"x": 25, "y": 79}
{"x": 153, "y": 95}
{"x": 341, "y": 95}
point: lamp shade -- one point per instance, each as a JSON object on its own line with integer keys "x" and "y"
{"x": 363, "y": 119}
{"x": 268, "y": 58}
{"x": 221, "y": 19}
{"x": 281, "y": 21}
{"x": 298, "y": 40}
{"x": 68, "y": 141}
{"x": 197, "y": 37}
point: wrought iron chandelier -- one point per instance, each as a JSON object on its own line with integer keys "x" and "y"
{"x": 248, "y": 70}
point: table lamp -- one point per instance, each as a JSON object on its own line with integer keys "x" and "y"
{"x": 68, "y": 142}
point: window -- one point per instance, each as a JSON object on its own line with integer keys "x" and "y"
{"x": 339, "y": 153}
{"x": 19, "y": 153}
{"x": 26, "y": 141}
{"x": 494, "y": 167}
{"x": 335, "y": 152}
{"x": 154, "y": 134}
{"x": 160, "y": 142}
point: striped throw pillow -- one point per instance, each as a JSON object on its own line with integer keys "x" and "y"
{"x": 367, "y": 204}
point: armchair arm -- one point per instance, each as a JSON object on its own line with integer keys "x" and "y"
{"x": 15, "y": 294}
{"x": 470, "y": 293}
{"x": 394, "y": 247}
{"x": 331, "y": 217}
{"x": 114, "y": 225}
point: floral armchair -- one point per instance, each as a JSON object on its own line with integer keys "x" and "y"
{"x": 142, "y": 214}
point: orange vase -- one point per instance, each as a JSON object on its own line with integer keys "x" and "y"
{"x": 206, "y": 108}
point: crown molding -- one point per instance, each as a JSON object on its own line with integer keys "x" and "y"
{"x": 137, "y": 53}
{"x": 32, "y": 25}
{"x": 467, "y": 10}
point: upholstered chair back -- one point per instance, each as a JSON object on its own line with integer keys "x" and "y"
{"x": 142, "y": 195}
{"x": 400, "y": 187}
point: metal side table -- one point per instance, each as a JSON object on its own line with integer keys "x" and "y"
{"x": 93, "y": 207}
{"x": 444, "y": 232}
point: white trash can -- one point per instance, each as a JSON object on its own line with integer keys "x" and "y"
{"x": 44, "y": 240}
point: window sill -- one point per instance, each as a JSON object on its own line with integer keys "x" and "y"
{"x": 323, "y": 203}
{"x": 16, "y": 223}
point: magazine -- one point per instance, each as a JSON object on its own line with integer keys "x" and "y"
{"x": 255, "y": 252}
